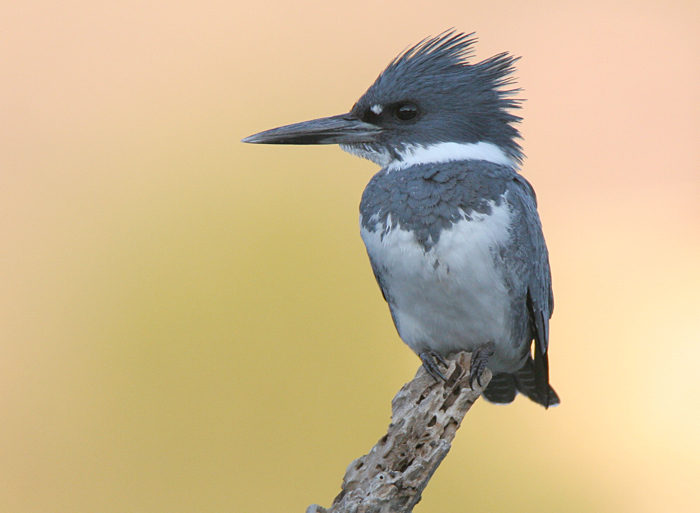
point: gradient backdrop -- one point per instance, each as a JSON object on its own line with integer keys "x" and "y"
{"x": 190, "y": 324}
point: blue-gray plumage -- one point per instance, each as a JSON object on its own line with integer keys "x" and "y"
{"x": 427, "y": 198}
{"x": 451, "y": 227}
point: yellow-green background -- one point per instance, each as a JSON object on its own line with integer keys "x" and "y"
{"x": 190, "y": 324}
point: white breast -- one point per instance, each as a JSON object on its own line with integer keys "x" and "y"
{"x": 452, "y": 297}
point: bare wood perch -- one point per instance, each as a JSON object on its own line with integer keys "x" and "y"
{"x": 425, "y": 417}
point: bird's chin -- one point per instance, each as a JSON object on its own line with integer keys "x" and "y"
{"x": 377, "y": 154}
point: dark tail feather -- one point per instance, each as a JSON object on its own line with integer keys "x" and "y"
{"x": 534, "y": 384}
{"x": 529, "y": 381}
{"x": 501, "y": 389}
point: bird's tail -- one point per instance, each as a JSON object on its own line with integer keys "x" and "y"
{"x": 503, "y": 387}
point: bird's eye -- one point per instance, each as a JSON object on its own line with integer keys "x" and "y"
{"x": 406, "y": 111}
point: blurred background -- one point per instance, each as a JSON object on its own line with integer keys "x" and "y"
{"x": 188, "y": 323}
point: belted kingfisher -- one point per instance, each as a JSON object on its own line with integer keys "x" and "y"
{"x": 451, "y": 227}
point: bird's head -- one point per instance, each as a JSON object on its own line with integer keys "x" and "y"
{"x": 428, "y": 105}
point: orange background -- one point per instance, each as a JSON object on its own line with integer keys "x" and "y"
{"x": 188, "y": 323}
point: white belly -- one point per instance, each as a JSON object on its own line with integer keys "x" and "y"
{"x": 452, "y": 297}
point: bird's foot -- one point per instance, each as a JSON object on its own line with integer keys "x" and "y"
{"x": 430, "y": 361}
{"x": 480, "y": 357}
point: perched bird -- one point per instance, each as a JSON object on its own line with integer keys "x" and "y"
{"x": 451, "y": 227}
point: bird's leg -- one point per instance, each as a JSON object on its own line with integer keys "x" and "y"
{"x": 480, "y": 357}
{"x": 430, "y": 361}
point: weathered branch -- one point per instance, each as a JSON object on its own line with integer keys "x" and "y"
{"x": 425, "y": 417}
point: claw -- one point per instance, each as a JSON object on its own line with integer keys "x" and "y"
{"x": 440, "y": 358}
{"x": 480, "y": 357}
{"x": 430, "y": 361}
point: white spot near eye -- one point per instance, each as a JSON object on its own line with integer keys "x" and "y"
{"x": 377, "y": 109}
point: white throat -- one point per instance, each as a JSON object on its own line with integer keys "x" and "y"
{"x": 450, "y": 151}
{"x": 433, "y": 154}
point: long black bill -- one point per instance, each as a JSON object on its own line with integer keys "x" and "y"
{"x": 334, "y": 130}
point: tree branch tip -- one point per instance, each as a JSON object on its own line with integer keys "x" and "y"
{"x": 425, "y": 417}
